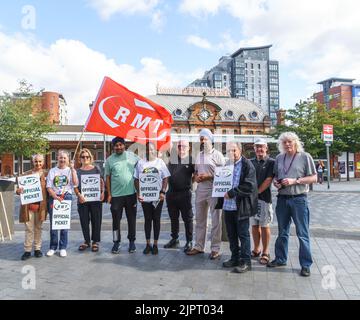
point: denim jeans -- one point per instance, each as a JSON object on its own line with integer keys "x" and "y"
{"x": 54, "y": 234}
{"x": 238, "y": 230}
{"x": 297, "y": 209}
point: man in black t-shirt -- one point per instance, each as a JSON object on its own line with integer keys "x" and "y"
{"x": 178, "y": 197}
{"x": 264, "y": 166}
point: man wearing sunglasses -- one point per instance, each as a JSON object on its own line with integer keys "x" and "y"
{"x": 178, "y": 197}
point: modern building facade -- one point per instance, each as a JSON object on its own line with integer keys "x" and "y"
{"x": 249, "y": 74}
{"x": 341, "y": 93}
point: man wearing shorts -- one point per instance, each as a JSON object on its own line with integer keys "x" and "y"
{"x": 264, "y": 166}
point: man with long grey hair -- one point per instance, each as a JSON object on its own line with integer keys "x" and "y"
{"x": 294, "y": 171}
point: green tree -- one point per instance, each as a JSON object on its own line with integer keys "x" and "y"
{"x": 307, "y": 120}
{"x": 22, "y": 125}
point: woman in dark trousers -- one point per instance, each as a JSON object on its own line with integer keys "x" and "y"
{"x": 89, "y": 211}
{"x": 152, "y": 210}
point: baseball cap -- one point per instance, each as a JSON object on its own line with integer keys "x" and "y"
{"x": 260, "y": 141}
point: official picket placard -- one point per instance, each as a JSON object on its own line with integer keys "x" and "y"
{"x": 32, "y": 189}
{"x": 90, "y": 187}
{"x": 150, "y": 186}
{"x": 61, "y": 216}
{"x": 222, "y": 181}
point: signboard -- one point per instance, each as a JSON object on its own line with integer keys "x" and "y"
{"x": 61, "y": 216}
{"x": 32, "y": 192}
{"x": 328, "y": 132}
{"x": 150, "y": 186}
{"x": 90, "y": 187}
{"x": 223, "y": 179}
{"x": 342, "y": 169}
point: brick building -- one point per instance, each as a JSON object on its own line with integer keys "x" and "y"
{"x": 341, "y": 93}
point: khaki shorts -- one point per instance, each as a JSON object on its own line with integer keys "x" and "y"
{"x": 264, "y": 215}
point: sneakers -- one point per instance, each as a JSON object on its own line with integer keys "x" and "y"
{"x": 275, "y": 263}
{"x": 116, "y": 248}
{"x": 230, "y": 263}
{"x": 38, "y": 254}
{"x": 305, "y": 272}
{"x": 242, "y": 268}
{"x": 50, "y": 253}
{"x": 155, "y": 250}
{"x": 26, "y": 256}
{"x": 132, "y": 247}
{"x": 63, "y": 253}
{"x": 172, "y": 244}
{"x": 148, "y": 249}
{"x": 188, "y": 246}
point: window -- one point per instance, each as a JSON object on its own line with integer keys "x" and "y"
{"x": 252, "y": 66}
{"x": 274, "y": 87}
{"x": 217, "y": 76}
{"x": 252, "y": 72}
{"x": 26, "y": 164}
{"x": 252, "y": 87}
{"x": 273, "y": 80}
{"x": 252, "y": 80}
{"x": 225, "y": 77}
{"x": 259, "y": 73}
{"x": 259, "y": 66}
{"x": 274, "y": 94}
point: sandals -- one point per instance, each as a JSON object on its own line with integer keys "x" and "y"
{"x": 95, "y": 247}
{"x": 255, "y": 254}
{"x": 84, "y": 246}
{"x": 265, "y": 258}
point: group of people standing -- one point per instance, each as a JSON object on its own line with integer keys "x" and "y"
{"x": 247, "y": 203}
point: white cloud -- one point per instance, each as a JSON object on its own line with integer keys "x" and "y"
{"x": 311, "y": 39}
{"x": 76, "y": 71}
{"x": 199, "y": 42}
{"x": 107, "y": 8}
{"x": 158, "y": 20}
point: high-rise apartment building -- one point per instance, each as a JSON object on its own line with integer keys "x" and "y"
{"x": 248, "y": 74}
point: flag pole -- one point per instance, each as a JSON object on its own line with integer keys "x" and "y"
{"x": 78, "y": 144}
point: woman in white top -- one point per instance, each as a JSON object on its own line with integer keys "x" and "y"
{"x": 152, "y": 210}
{"x": 60, "y": 181}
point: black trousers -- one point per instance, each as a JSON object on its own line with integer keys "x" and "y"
{"x": 90, "y": 212}
{"x": 238, "y": 230}
{"x": 180, "y": 202}
{"x": 152, "y": 216}
{"x": 128, "y": 202}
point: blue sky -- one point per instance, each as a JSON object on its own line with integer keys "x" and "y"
{"x": 71, "y": 45}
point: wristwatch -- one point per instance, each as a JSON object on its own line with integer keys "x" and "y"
{"x": 163, "y": 192}
{"x": 298, "y": 181}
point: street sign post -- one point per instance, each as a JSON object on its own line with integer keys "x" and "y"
{"x": 328, "y": 137}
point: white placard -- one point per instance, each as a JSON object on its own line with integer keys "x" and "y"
{"x": 90, "y": 187}
{"x": 32, "y": 192}
{"x": 223, "y": 179}
{"x": 61, "y": 216}
{"x": 150, "y": 186}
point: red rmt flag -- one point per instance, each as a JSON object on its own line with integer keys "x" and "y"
{"x": 120, "y": 112}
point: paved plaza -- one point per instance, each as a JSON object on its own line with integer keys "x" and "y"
{"x": 335, "y": 229}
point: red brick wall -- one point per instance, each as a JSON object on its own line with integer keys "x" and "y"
{"x": 7, "y": 165}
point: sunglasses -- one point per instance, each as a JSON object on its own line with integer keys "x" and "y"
{"x": 85, "y": 157}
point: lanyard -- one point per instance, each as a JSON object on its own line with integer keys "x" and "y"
{"x": 292, "y": 160}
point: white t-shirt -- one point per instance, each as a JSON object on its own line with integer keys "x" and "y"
{"x": 60, "y": 180}
{"x": 155, "y": 166}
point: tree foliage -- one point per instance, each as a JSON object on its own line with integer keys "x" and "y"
{"x": 307, "y": 120}
{"x": 23, "y": 125}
